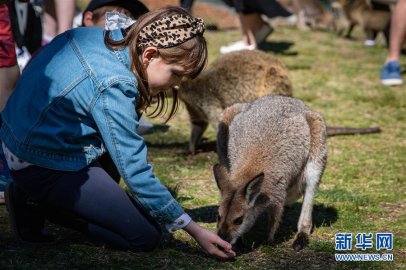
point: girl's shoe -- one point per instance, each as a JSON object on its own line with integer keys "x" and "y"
{"x": 25, "y": 218}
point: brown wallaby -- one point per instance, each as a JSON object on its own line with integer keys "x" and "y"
{"x": 311, "y": 14}
{"x": 234, "y": 78}
{"x": 271, "y": 152}
{"x": 371, "y": 17}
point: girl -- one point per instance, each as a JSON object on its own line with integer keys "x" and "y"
{"x": 82, "y": 95}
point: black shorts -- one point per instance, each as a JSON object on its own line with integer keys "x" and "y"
{"x": 270, "y": 8}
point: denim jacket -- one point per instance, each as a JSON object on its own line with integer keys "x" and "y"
{"x": 76, "y": 100}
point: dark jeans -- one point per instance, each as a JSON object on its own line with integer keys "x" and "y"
{"x": 90, "y": 201}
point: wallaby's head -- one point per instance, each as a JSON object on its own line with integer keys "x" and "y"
{"x": 242, "y": 202}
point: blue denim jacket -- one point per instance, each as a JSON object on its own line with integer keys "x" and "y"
{"x": 76, "y": 99}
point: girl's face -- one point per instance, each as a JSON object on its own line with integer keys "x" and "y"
{"x": 163, "y": 76}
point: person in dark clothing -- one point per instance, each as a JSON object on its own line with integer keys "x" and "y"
{"x": 255, "y": 29}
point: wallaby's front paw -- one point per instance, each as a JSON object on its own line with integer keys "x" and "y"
{"x": 302, "y": 240}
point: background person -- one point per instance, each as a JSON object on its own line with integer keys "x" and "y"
{"x": 255, "y": 29}
{"x": 9, "y": 74}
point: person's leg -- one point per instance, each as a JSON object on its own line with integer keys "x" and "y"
{"x": 390, "y": 72}
{"x": 57, "y": 18}
{"x": 92, "y": 202}
{"x": 9, "y": 74}
{"x": 49, "y": 21}
{"x": 65, "y": 11}
{"x": 397, "y": 31}
{"x": 250, "y": 23}
{"x": 9, "y": 70}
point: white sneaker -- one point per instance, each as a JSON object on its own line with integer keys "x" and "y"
{"x": 369, "y": 43}
{"x": 237, "y": 46}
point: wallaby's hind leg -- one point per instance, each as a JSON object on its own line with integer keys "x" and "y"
{"x": 349, "y": 31}
{"x": 222, "y": 131}
{"x": 312, "y": 174}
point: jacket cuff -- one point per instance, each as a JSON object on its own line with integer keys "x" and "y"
{"x": 179, "y": 223}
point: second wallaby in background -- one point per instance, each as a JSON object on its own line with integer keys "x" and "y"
{"x": 271, "y": 152}
{"x": 235, "y": 77}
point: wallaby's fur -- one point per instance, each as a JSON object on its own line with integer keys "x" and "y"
{"x": 370, "y": 18}
{"x": 271, "y": 152}
{"x": 235, "y": 77}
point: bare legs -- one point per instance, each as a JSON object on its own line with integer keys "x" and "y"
{"x": 58, "y": 16}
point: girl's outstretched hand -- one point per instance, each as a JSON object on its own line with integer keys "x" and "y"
{"x": 210, "y": 241}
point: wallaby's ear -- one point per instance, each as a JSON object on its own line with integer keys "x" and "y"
{"x": 221, "y": 176}
{"x": 253, "y": 188}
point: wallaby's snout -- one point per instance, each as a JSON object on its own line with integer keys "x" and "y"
{"x": 240, "y": 207}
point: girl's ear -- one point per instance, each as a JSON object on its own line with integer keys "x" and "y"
{"x": 88, "y": 19}
{"x": 148, "y": 54}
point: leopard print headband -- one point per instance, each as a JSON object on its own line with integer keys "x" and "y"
{"x": 170, "y": 31}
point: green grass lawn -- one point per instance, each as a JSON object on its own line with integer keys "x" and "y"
{"x": 363, "y": 188}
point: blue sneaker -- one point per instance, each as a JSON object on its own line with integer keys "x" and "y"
{"x": 390, "y": 74}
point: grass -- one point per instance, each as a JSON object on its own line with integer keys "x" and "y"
{"x": 363, "y": 189}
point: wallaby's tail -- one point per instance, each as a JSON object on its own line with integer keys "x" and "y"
{"x": 222, "y": 133}
{"x": 334, "y": 131}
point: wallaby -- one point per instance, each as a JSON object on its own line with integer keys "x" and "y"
{"x": 271, "y": 152}
{"x": 372, "y": 18}
{"x": 311, "y": 14}
{"x": 234, "y": 78}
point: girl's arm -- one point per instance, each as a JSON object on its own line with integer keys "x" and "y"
{"x": 210, "y": 241}
{"x": 117, "y": 122}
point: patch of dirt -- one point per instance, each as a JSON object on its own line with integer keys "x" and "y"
{"x": 213, "y": 15}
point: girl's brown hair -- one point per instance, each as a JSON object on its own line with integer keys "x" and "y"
{"x": 191, "y": 54}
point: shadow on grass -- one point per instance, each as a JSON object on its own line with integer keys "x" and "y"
{"x": 278, "y": 47}
{"x": 158, "y": 128}
{"x": 322, "y": 217}
{"x": 203, "y": 147}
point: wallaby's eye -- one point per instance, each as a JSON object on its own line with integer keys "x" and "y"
{"x": 238, "y": 221}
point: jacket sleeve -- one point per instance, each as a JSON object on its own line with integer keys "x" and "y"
{"x": 116, "y": 118}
